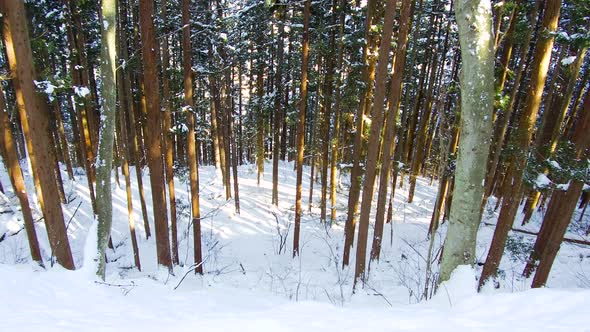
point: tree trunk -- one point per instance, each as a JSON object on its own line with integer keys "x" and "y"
{"x": 474, "y": 19}
{"x": 278, "y": 112}
{"x": 125, "y": 104}
{"x": 560, "y": 211}
{"x": 16, "y": 178}
{"x": 374, "y": 138}
{"x": 31, "y": 106}
{"x": 301, "y": 125}
{"x": 168, "y": 138}
{"x": 190, "y": 143}
{"x": 154, "y": 142}
{"x": 355, "y": 174}
{"x": 522, "y": 139}
{"x": 337, "y": 111}
{"x": 104, "y": 201}
{"x": 394, "y": 98}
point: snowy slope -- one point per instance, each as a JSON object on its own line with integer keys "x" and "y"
{"x": 66, "y": 301}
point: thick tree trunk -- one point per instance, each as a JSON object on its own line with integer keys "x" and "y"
{"x": 474, "y": 19}
{"x": 154, "y": 142}
{"x": 31, "y": 106}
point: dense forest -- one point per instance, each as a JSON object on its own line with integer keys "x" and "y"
{"x": 487, "y": 103}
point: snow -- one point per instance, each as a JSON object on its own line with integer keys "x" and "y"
{"x": 542, "y": 181}
{"x": 64, "y": 301}
{"x": 555, "y": 164}
{"x": 568, "y": 60}
{"x": 251, "y": 283}
{"x": 81, "y": 91}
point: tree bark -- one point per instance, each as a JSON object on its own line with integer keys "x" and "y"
{"x": 394, "y": 98}
{"x": 374, "y": 139}
{"x": 154, "y": 142}
{"x": 190, "y": 143}
{"x": 301, "y": 126}
{"x": 474, "y": 19}
{"x": 20, "y": 58}
{"x": 104, "y": 201}
{"x": 16, "y": 178}
{"x": 522, "y": 139}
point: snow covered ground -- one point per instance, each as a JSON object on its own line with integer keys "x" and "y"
{"x": 251, "y": 282}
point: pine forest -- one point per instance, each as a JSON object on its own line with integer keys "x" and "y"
{"x": 294, "y": 165}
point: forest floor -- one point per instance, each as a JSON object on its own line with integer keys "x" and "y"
{"x": 252, "y": 283}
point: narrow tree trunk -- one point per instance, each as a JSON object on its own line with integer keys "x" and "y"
{"x": 337, "y": 112}
{"x": 394, "y": 98}
{"x": 278, "y": 112}
{"x": 190, "y": 143}
{"x": 522, "y": 140}
{"x": 355, "y": 174}
{"x": 16, "y": 178}
{"x": 374, "y": 139}
{"x": 168, "y": 138}
{"x": 123, "y": 139}
{"x": 104, "y": 201}
{"x": 301, "y": 125}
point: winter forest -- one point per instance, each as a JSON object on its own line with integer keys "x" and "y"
{"x": 294, "y": 165}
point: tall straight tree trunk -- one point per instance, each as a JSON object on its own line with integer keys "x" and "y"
{"x": 85, "y": 143}
{"x": 278, "y": 112}
{"x": 154, "y": 142}
{"x": 474, "y": 19}
{"x": 374, "y": 139}
{"x": 418, "y": 155}
{"x": 134, "y": 138}
{"x": 168, "y": 138}
{"x": 327, "y": 113}
{"x": 234, "y": 157}
{"x": 301, "y": 125}
{"x": 125, "y": 104}
{"x": 104, "y": 201}
{"x": 16, "y": 178}
{"x": 394, "y": 98}
{"x": 522, "y": 139}
{"x": 561, "y": 209}
{"x": 355, "y": 174}
{"x": 31, "y": 106}
{"x": 551, "y": 124}
{"x": 190, "y": 143}
{"x": 337, "y": 111}
{"x": 259, "y": 109}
